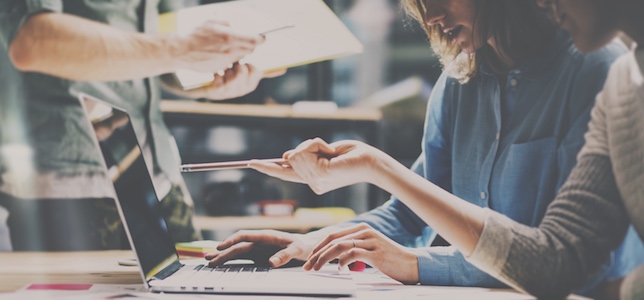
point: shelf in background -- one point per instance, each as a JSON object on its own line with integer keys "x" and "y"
{"x": 304, "y": 220}
{"x": 266, "y": 111}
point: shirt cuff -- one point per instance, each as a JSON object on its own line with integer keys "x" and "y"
{"x": 491, "y": 252}
{"x": 432, "y": 271}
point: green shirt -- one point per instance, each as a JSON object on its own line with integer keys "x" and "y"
{"x": 41, "y": 117}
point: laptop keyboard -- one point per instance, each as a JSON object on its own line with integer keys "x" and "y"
{"x": 204, "y": 275}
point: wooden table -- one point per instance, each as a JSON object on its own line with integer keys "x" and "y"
{"x": 22, "y": 268}
{"x": 101, "y": 267}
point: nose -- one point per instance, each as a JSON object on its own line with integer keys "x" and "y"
{"x": 434, "y": 13}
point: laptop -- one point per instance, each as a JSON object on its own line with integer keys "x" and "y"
{"x": 140, "y": 211}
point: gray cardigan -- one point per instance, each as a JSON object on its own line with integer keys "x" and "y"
{"x": 590, "y": 216}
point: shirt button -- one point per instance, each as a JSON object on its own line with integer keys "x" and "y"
{"x": 498, "y": 136}
{"x": 514, "y": 82}
{"x": 482, "y": 195}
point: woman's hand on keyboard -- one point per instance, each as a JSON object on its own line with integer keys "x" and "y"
{"x": 264, "y": 247}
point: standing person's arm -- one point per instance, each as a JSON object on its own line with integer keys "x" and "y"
{"x": 75, "y": 48}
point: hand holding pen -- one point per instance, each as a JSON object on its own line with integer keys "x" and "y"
{"x": 228, "y": 165}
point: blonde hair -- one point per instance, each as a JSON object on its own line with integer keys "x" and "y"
{"x": 518, "y": 28}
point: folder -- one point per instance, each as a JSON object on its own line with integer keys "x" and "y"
{"x": 314, "y": 33}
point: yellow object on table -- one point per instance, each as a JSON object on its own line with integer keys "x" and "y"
{"x": 196, "y": 249}
{"x": 328, "y": 214}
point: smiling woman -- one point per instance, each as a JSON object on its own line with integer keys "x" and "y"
{"x": 505, "y": 140}
{"x": 506, "y": 31}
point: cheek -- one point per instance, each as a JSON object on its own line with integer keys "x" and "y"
{"x": 590, "y": 29}
{"x": 469, "y": 43}
{"x": 587, "y": 17}
{"x": 477, "y": 42}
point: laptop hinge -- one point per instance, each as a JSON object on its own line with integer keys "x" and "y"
{"x": 169, "y": 270}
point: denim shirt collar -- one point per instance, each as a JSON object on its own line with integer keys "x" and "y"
{"x": 532, "y": 65}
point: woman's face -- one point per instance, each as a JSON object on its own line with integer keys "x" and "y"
{"x": 456, "y": 20}
{"x": 592, "y": 23}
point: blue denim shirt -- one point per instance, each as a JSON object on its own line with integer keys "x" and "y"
{"x": 510, "y": 155}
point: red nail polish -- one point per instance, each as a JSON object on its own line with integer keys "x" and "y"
{"x": 357, "y": 266}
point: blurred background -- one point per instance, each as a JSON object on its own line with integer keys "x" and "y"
{"x": 393, "y": 76}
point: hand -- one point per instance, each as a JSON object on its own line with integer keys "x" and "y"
{"x": 213, "y": 46}
{"x": 362, "y": 242}
{"x": 234, "y": 82}
{"x": 271, "y": 247}
{"x": 324, "y": 167}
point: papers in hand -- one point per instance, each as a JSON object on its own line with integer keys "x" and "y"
{"x": 315, "y": 33}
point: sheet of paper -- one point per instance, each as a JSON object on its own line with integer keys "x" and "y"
{"x": 316, "y": 33}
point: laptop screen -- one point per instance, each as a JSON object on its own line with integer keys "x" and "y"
{"x": 139, "y": 204}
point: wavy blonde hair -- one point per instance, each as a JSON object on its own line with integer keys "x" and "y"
{"x": 518, "y": 28}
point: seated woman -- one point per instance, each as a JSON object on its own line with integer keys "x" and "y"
{"x": 588, "y": 218}
{"x": 504, "y": 124}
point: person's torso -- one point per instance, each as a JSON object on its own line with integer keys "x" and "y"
{"x": 51, "y": 118}
{"x": 510, "y": 154}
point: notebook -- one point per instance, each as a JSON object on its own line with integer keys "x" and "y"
{"x": 312, "y": 33}
{"x": 140, "y": 211}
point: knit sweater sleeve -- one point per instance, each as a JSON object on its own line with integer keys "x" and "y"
{"x": 581, "y": 226}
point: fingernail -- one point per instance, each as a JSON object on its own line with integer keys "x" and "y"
{"x": 275, "y": 260}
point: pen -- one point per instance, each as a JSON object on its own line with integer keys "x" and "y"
{"x": 277, "y": 29}
{"x": 228, "y": 165}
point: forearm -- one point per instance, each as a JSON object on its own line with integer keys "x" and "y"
{"x": 74, "y": 48}
{"x": 458, "y": 221}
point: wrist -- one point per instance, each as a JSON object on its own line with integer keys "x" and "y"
{"x": 160, "y": 53}
{"x": 380, "y": 165}
{"x": 406, "y": 268}
{"x": 413, "y": 276}
{"x": 174, "y": 46}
